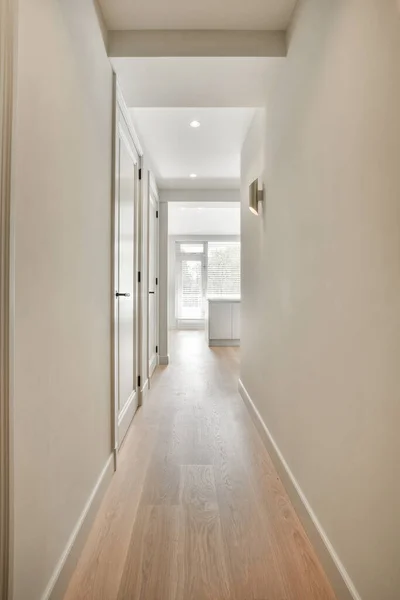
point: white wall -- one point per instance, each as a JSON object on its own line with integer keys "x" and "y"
{"x": 321, "y": 278}
{"x": 63, "y": 229}
{"x": 200, "y": 195}
{"x": 207, "y": 218}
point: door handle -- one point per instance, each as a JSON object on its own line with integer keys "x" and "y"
{"x": 126, "y": 295}
{"x": 151, "y": 292}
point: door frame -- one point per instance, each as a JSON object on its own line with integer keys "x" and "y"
{"x": 179, "y": 258}
{"x": 120, "y": 109}
{"x": 8, "y": 24}
{"x": 153, "y": 193}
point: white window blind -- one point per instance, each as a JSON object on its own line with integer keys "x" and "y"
{"x": 223, "y": 269}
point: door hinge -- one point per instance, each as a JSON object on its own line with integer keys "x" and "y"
{"x": 140, "y": 174}
{"x": 156, "y": 214}
{"x": 138, "y": 381}
{"x": 138, "y": 276}
{"x": 156, "y": 349}
{"x": 156, "y": 280}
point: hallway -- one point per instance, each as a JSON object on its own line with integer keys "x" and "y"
{"x": 196, "y": 510}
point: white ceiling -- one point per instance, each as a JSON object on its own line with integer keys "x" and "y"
{"x": 213, "y": 86}
{"x": 212, "y": 151}
{"x": 209, "y": 82}
{"x": 207, "y": 218}
{"x": 192, "y": 14}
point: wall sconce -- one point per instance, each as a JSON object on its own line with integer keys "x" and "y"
{"x": 255, "y": 196}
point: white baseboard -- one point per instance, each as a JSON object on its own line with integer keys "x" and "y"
{"x": 224, "y": 343}
{"x": 153, "y": 365}
{"x": 153, "y": 371}
{"x": 126, "y": 416}
{"x": 144, "y": 392}
{"x": 66, "y": 565}
{"x": 163, "y": 360}
{"x": 340, "y": 580}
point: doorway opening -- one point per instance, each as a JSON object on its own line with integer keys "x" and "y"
{"x": 204, "y": 270}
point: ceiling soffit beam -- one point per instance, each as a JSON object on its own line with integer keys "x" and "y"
{"x": 200, "y": 43}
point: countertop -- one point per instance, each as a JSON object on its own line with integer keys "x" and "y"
{"x": 224, "y": 299}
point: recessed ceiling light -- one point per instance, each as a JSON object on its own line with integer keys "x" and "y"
{"x": 193, "y": 175}
{"x": 195, "y": 124}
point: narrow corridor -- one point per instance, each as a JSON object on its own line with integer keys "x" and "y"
{"x": 196, "y": 510}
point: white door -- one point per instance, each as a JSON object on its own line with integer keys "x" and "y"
{"x": 190, "y": 286}
{"x": 153, "y": 283}
{"x": 126, "y": 288}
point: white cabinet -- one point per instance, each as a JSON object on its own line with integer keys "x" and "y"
{"x": 223, "y": 322}
{"x": 220, "y": 321}
{"x": 236, "y": 321}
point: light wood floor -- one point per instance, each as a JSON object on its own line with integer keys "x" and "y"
{"x": 196, "y": 510}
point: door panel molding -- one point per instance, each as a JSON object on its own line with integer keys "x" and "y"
{"x": 7, "y": 87}
{"x": 124, "y": 140}
{"x": 127, "y": 286}
{"x": 113, "y": 304}
{"x": 153, "y": 205}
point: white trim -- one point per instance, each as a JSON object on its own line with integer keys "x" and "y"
{"x": 153, "y": 196}
{"x": 126, "y": 415}
{"x": 153, "y": 366}
{"x": 180, "y": 257}
{"x": 127, "y": 117}
{"x": 124, "y": 133}
{"x": 335, "y": 570}
{"x": 144, "y": 392}
{"x": 153, "y": 186}
{"x": 58, "y": 583}
{"x": 114, "y": 274}
{"x": 224, "y": 343}
{"x": 140, "y": 285}
{"x": 115, "y": 458}
{"x": 8, "y": 44}
{"x": 163, "y": 257}
{"x": 163, "y": 360}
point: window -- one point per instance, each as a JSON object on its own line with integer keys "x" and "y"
{"x": 205, "y": 269}
{"x": 223, "y": 273}
{"x": 190, "y": 281}
{"x": 190, "y": 295}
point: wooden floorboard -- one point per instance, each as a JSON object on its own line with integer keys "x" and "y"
{"x": 196, "y": 510}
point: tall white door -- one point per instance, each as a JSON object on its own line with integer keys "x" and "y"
{"x": 190, "y": 285}
{"x": 153, "y": 283}
{"x": 126, "y": 288}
